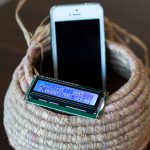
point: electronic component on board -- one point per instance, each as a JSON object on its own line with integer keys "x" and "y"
{"x": 65, "y": 97}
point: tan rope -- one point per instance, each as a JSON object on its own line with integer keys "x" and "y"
{"x": 41, "y": 35}
{"x": 35, "y": 71}
{"x": 42, "y": 57}
{"x": 128, "y": 36}
{"x": 21, "y": 25}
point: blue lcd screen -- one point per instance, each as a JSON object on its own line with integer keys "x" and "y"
{"x": 66, "y": 92}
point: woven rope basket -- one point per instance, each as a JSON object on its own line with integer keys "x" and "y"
{"x": 124, "y": 124}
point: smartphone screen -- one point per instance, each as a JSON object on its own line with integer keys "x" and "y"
{"x": 78, "y": 52}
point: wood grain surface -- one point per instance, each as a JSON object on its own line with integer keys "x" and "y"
{"x": 134, "y": 15}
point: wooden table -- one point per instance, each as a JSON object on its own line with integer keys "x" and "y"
{"x": 132, "y": 15}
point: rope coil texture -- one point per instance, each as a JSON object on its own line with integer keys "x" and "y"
{"x": 125, "y": 123}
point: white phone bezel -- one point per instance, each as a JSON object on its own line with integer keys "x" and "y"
{"x": 78, "y": 12}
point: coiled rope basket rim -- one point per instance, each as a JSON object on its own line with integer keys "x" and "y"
{"x": 124, "y": 124}
{"x": 121, "y": 125}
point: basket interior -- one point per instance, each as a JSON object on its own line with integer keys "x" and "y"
{"x": 117, "y": 73}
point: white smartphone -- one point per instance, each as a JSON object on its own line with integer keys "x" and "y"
{"x": 78, "y": 44}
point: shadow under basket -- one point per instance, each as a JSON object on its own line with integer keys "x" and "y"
{"x": 124, "y": 124}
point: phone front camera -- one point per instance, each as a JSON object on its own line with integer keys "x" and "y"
{"x": 76, "y": 9}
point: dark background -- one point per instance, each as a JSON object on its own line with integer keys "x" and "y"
{"x": 134, "y": 15}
